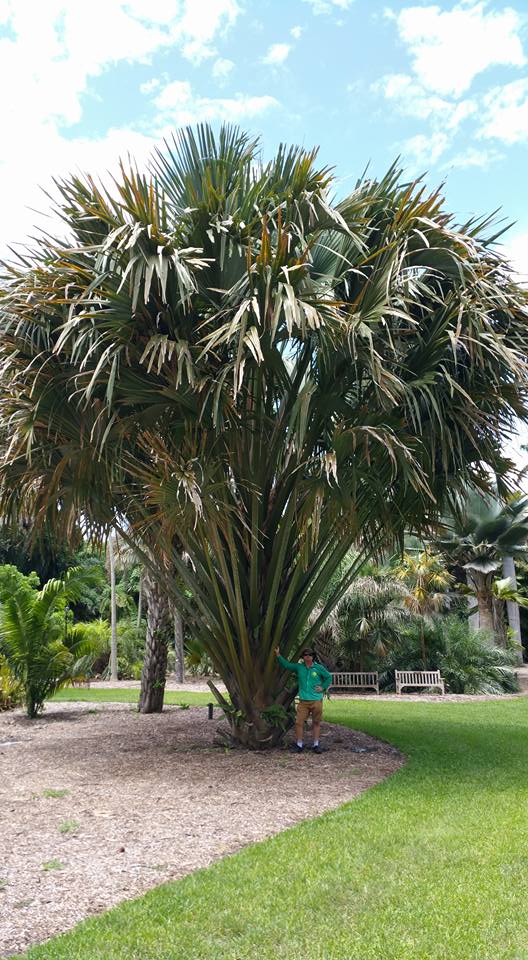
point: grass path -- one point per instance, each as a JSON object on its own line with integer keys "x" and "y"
{"x": 430, "y": 864}
{"x": 128, "y": 695}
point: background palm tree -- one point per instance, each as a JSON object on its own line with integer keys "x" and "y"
{"x": 370, "y": 616}
{"x": 484, "y": 537}
{"x": 427, "y": 581}
{"x": 221, "y": 360}
{"x": 162, "y": 624}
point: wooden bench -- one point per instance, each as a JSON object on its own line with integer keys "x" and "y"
{"x": 418, "y": 678}
{"x": 356, "y": 681}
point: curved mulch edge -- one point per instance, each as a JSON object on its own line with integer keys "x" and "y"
{"x": 144, "y": 800}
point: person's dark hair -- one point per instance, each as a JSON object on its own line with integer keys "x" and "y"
{"x": 307, "y": 652}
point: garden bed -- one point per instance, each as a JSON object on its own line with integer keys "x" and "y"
{"x": 99, "y": 804}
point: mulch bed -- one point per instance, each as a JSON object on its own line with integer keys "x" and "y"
{"x": 146, "y": 799}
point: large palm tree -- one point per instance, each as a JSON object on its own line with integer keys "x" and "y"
{"x": 221, "y": 360}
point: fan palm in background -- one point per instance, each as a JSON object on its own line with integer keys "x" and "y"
{"x": 370, "y": 616}
{"x": 223, "y": 361}
{"x": 427, "y": 582}
{"x": 483, "y": 537}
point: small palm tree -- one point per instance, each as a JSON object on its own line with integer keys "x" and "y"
{"x": 42, "y": 650}
{"x": 427, "y": 580}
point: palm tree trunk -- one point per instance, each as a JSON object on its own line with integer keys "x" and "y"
{"x": 159, "y": 632}
{"x": 140, "y": 601}
{"x": 179, "y": 667}
{"x": 113, "y": 611}
{"x": 260, "y": 712}
{"x": 482, "y": 583}
{"x": 499, "y": 622}
{"x": 514, "y": 618}
{"x": 474, "y": 618}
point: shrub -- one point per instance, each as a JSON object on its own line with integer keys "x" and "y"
{"x": 130, "y": 647}
{"x": 470, "y": 664}
{"x": 197, "y": 661}
{"x": 466, "y": 658}
{"x": 43, "y": 650}
{"x": 11, "y": 691}
{"x": 96, "y": 633}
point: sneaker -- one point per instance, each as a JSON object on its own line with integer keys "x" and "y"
{"x": 298, "y": 749}
{"x": 317, "y": 749}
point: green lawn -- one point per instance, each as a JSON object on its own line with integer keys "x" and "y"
{"x": 125, "y": 695}
{"x": 430, "y": 864}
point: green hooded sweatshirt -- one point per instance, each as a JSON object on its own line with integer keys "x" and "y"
{"x": 308, "y": 678}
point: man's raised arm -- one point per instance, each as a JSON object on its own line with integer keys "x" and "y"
{"x": 285, "y": 663}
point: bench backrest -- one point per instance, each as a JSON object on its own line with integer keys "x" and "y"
{"x": 418, "y": 677}
{"x": 369, "y": 679}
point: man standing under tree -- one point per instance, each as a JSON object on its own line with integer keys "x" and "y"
{"x": 313, "y": 680}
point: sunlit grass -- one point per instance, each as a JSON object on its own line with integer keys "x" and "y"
{"x": 429, "y": 865}
{"x": 127, "y": 695}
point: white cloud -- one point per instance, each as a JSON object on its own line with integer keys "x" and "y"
{"x": 203, "y": 19}
{"x": 173, "y": 95}
{"x": 177, "y": 104}
{"x": 57, "y": 46}
{"x": 149, "y": 85}
{"x": 48, "y": 58}
{"x": 222, "y": 68}
{"x": 328, "y": 6}
{"x": 474, "y": 157}
{"x": 196, "y": 51}
{"x": 411, "y": 99}
{"x": 424, "y": 150}
{"x": 516, "y": 250}
{"x": 449, "y": 48}
{"x": 506, "y": 113}
{"x": 277, "y": 53}
{"x": 296, "y": 32}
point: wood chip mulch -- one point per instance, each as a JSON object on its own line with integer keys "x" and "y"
{"x": 99, "y": 804}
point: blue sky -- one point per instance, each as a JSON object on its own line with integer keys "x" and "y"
{"x": 444, "y": 85}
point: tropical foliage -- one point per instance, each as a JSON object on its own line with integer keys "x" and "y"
{"x": 220, "y": 360}
{"x": 466, "y": 659}
{"x": 427, "y": 582}
{"x": 482, "y": 534}
{"x": 366, "y": 622}
{"x": 11, "y": 692}
{"x": 41, "y": 648}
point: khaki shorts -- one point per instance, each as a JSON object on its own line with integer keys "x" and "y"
{"x": 307, "y": 707}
